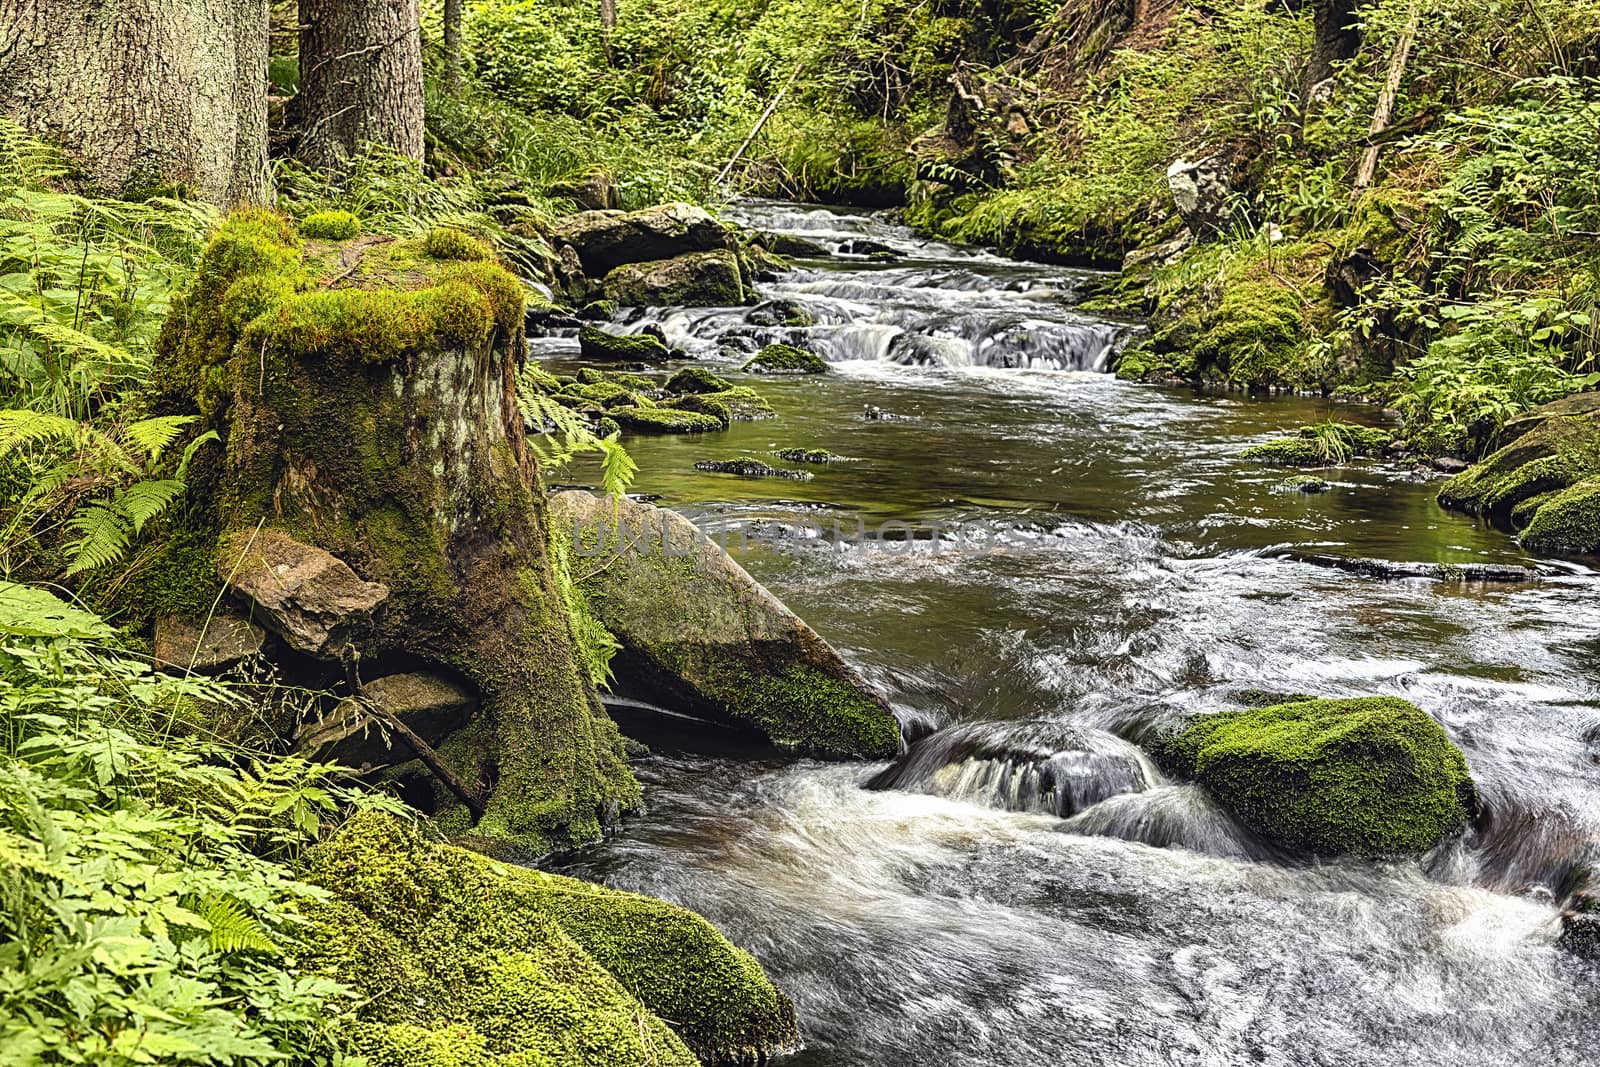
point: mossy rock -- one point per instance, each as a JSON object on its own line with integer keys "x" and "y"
{"x": 595, "y": 343}
{"x": 1364, "y": 776}
{"x": 810, "y": 455}
{"x": 462, "y": 960}
{"x": 1288, "y": 452}
{"x": 1545, "y": 482}
{"x": 330, "y": 226}
{"x": 665, "y": 420}
{"x": 1327, "y": 445}
{"x": 449, "y": 243}
{"x": 697, "y": 380}
{"x": 786, "y": 359}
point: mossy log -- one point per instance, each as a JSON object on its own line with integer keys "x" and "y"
{"x": 366, "y": 395}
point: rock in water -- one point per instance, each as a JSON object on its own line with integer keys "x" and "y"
{"x": 595, "y": 343}
{"x": 750, "y": 468}
{"x": 1364, "y": 776}
{"x": 786, "y": 359}
{"x": 700, "y": 634}
{"x": 307, "y": 595}
{"x": 459, "y": 959}
{"x": 605, "y": 240}
{"x": 1545, "y": 483}
{"x": 431, "y": 706}
{"x": 696, "y": 279}
{"x": 208, "y": 645}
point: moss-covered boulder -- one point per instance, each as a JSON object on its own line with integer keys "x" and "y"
{"x": 1545, "y": 482}
{"x": 463, "y": 961}
{"x": 700, "y": 635}
{"x": 1328, "y": 444}
{"x": 666, "y": 420}
{"x": 698, "y": 279}
{"x": 595, "y": 343}
{"x": 366, "y": 397}
{"x": 1363, "y": 776}
{"x": 697, "y": 380}
{"x": 605, "y": 240}
{"x": 786, "y": 359}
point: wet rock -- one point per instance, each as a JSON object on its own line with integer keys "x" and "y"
{"x": 698, "y": 279}
{"x": 1365, "y": 776}
{"x": 207, "y": 645}
{"x": 1449, "y": 464}
{"x": 1158, "y": 255}
{"x": 605, "y": 240}
{"x": 599, "y": 311}
{"x": 697, "y": 380}
{"x": 1200, "y": 191}
{"x": 786, "y": 359}
{"x": 1545, "y": 482}
{"x": 1580, "y": 933}
{"x": 700, "y": 635}
{"x": 595, "y": 343}
{"x": 665, "y": 420}
{"x": 1397, "y": 570}
{"x": 431, "y": 706}
{"x": 306, "y": 595}
{"x": 787, "y": 244}
{"x": 861, "y": 246}
{"x": 781, "y": 313}
{"x": 810, "y": 455}
{"x": 1305, "y": 483}
{"x": 749, "y": 468}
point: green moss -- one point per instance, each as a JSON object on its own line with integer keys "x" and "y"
{"x": 449, "y": 243}
{"x": 704, "y": 405}
{"x": 1288, "y": 452}
{"x": 786, "y": 359}
{"x": 599, "y": 311}
{"x": 331, "y": 225}
{"x": 810, "y": 455}
{"x": 1567, "y": 521}
{"x": 799, "y": 707}
{"x": 594, "y": 343}
{"x": 1304, "y": 483}
{"x": 461, "y": 960}
{"x": 665, "y": 420}
{"x": 1366, "y": 776}
{"x": 697, "y": 380}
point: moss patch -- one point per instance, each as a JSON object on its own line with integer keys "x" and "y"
{"x": 331, "y": 225}
{"x": 1366, "y": 776}
{"x": 697, "y": 380}
{"x": 665, "y": 420}
{"x": 446, "y": 242}
{"x": 595, "y": 343}
{"x": 786, "y": 359}
{"x": 1566, "y": 521}
{"x": 463, "y": 960}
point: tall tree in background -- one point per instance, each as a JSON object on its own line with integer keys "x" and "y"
{"x": 144, "y": 95}
{"x": 360, "y": 78}
{"x": 1337, "y": 37}
{"x": 452, "y": 45}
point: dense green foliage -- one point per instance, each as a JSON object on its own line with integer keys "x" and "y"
{"x": 1368, "y": 776}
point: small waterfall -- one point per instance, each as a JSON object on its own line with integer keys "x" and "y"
{"x": 1044, "y": 767}
{"x": 1172, "y": 816}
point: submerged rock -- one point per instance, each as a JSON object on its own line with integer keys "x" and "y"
{"x": 605, "y": 240}
{"x": 458, "y": 959}
{"x": 700, "y": 635}
{"x": 781, "y": 313}
{"x": 595, "y": 343}
{"x": 1545, "y": 482}
{"x": 749, "y": 468}
{"x": 1363, "y": 776}
{"x": 431, "y": 706}
{"x": 697, "y": 279}
{"x": 308, "y": 596}
{"x": 208, "y": 645}
{"x": 786, "y": 359}
{"x": 1305, "y": 483}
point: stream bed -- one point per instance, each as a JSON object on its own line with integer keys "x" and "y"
{"x": 1024, "y": 553}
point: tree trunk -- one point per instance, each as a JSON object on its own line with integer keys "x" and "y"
{"x": 360, "y": 78}
{"x": 1337, "y": 37}
{"x": 608, "y": 24}
{"x": 1383, "y": 114}
{"x": 452, "y": 45}
{"x": 144, "y": 95}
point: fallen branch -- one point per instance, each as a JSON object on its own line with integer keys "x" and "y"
{"x": 772, "y": 106}
{"x": 1383, "y": 114}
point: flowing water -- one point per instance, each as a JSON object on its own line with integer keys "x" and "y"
{"x": 1041, "y": 565}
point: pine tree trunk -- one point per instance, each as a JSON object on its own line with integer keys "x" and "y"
{"x": 144, "y": 95}
{"x": 360, "y": 78}
{"x": 452, "y": 45}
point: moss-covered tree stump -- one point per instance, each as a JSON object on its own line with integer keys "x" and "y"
{"x": 366, "y": 394}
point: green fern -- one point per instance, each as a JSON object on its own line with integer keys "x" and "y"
{"x": 233, "y": 929}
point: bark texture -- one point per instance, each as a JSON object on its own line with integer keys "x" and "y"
{"x": 360, "y": 78}
{"x": 144, "y": 95}
{"x": 1337, "y": 38}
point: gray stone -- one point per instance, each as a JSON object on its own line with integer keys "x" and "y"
{"x": 701, "y": 636}
{"x": 605, "y": 240}
{"x": 1200, "y": 191}
{"x": 306, "y": 595}
{"x": 431, "y": 706}
{"x": 208, "y": 646}
{"x": 696, "y": 279}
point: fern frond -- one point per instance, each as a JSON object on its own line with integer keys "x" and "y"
{"x": 143, "y": 501}
{"x": 233, "y": 929}
{"x": 21, "y": 427}
{"x": 104, "y": 534}
{"x": 617, "y": 468}
{"x": 152, "y": 435}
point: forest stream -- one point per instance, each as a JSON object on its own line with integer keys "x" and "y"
{"x": 1070, "y": 563}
